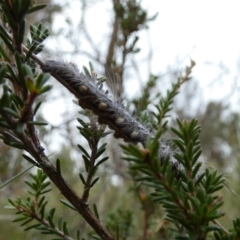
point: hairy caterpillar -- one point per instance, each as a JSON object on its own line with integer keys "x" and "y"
{"x": 92, "y": 97}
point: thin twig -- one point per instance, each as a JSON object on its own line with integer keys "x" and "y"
{"x": 221, "y": 226}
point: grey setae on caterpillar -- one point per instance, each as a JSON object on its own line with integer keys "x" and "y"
{"x": 91, "y": 97}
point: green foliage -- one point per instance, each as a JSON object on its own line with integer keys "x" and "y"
{"x": 186, "y": 193}
{"x": 92, "y": 132}
{"x": 174, "y": 181}
{"x": 120, "y": 222}
{"x": 34, "y": 208}
{"x": 17, "y": 104}
{"x": 132, "y": 17}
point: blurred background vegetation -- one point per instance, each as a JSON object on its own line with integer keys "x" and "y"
{"x": 115, "y": 192}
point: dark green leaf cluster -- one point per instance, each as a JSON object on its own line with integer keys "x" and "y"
{"x": 157, "y": 120}
{"x": 38, "y": 35}
{"x": 142, "y": 103}
{"x": 14, "y": 13}
{"x": 132, "y": 16}
{"x": 35, "y": 208}
{"x": 185, "y": 191}
{"x": 39, "y": 185}
{"x": 20, "y": 81}
{"x": 165, "y": 103}
{"x": 92, "y": 132}
{"x": 120, "y": 223}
